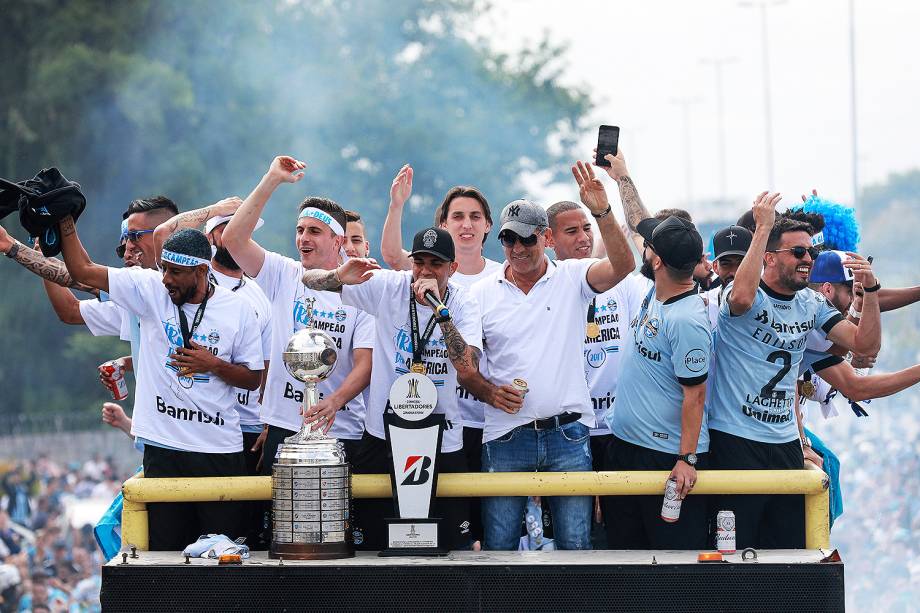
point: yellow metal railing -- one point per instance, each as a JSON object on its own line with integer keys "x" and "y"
{"x": 138, "y": 491}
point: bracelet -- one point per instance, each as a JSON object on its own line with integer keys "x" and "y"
{"x": 13, "y": 250}
{"x": 854, "y": 313}
{"x": 604, "y": 214}
{"x": 335, "y": 275}
{"x": 874, "y": 288}
{"x": 442, "y": 319}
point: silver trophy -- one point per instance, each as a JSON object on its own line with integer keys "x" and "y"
{"x": 311, "y": 487}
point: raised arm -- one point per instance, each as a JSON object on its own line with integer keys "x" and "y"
{"x": 50, "y": 269}
{"x": 865, "y": 338}
{"x": 747, "y": 279}
{"x": 81, "y": 268}
{"x": 605, "y": 273}
{"x": 237, "y": 237}
{"x": 633, "y": 208}
{"x": 391, "y": 248}
{"x": 352, "y": 272}
{"x": 193, "y": 219}
{"x": 890, "y": 299}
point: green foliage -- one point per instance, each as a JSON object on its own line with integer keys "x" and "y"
{"x": 193, "y": 99}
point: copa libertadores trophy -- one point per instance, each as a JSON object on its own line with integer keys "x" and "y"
{"x": 311, "y": 490}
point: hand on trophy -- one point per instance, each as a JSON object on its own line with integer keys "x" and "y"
{"x": 321, "y": 415}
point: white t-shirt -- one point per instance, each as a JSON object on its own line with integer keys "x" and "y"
{"x": 538, "y": 337}
{"x": 247, "y": 289}
{"x": 471, "y": 408}
{"x": 102, "y": 318}
{"x": 195, "y": 413}
{"x": 614, "y": 309}
{"x": 386, "y": 296}
{"x": 281, "y": 280}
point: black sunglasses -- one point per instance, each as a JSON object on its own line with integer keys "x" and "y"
{"x": 134, "y": 235}
{"x": 799, "y": 252}
{"x": 509, "y": 238}
{"x": 120, "y": 250}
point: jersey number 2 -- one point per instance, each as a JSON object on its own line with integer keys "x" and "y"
{"x": 786, "y": 359}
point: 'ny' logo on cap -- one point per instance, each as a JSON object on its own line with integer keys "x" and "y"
{"x": 514, "y": 210}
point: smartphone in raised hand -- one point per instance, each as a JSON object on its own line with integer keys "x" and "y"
{"x": 607, "y": 137}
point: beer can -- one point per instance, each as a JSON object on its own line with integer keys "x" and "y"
{"x": 116, "y": 380}
{"x": 725, "y": 532}
{"x": 670, "y": 507}
{"x": 520, "y": 385}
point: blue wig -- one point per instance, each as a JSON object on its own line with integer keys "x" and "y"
{"x": 841, "y": 231}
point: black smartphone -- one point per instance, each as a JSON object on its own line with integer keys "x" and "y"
{"x": 607, "y": 137}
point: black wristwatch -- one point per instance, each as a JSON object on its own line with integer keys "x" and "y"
{"x": 689, "y": 458}
{"x": 442, "y": 318}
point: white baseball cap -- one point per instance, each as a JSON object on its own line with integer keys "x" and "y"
{"x": 222, "y": 219}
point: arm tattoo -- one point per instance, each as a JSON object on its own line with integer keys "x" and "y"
{"x": 457, "y": 349}
{"x": 49, "y": 268}
{"x": 189, "y": 219}
{"x": 322, "y": 280}
{"x": 633, "y": 208}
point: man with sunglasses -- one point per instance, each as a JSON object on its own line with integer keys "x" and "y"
{"x": 533, "y": 323}
{"x": 759, "y": 341}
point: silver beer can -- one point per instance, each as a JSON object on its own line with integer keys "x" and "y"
{"x": 670, "y": 506}
{"x": 725, "y": 532}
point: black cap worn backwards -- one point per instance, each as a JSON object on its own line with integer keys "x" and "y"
{"x": 733, "y": 240}
{"x": 675, "y": 240}
{"x": 434, "y": 241}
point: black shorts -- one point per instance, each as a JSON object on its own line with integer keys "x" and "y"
{"x": 373, "y": 458}
{"x": 762, "y": 521}
{"x": 175, "y": 525}
{"x": 634, "y": 522}
{"x": 276, "y": 436}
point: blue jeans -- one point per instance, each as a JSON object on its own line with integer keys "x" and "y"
{"x": 524, "y": 449}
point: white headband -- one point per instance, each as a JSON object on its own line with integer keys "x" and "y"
{"x": 180, "y": 259}
{"x": 324, "y": 217}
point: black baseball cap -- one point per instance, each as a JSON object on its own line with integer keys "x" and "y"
{"x": 733, "y": 240}
{"x": 675, "y": 240}
{"x": 434, "y": 241}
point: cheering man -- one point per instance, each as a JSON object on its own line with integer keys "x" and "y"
{"x": 410, "y": 336}
{"x": 658, "y": 421}
{"x": 760, "y": 338}
{"x": 319, "y": 236}
{"x": 533, "y": 314}
{"x": 200, "y": 343}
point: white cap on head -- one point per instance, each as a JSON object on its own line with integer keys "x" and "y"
{"x": 221, "y": 219}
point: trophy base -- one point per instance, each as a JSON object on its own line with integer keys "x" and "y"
{"x": 305, "y": 551}
{"x": 408, "y": 536}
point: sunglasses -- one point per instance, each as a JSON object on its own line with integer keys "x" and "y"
{"x": 509, "y": 238}
{"x": 799, "y": 252}
{"x": 120, "y": 250}
{"x": 134, "y": 235}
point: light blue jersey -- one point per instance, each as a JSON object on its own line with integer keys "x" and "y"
{"x": 671, "y": 347}
{"x": 753, "y": 381}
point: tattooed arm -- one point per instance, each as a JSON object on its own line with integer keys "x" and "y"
{"x": 352, "y": 272}
{"x": 633, "y": 209}
{"x": 81, "y": 268}
{"x": 192, "y": 219}
{"x": 50, "y": 269}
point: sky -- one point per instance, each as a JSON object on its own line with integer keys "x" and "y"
{"x": 640, "y": 59}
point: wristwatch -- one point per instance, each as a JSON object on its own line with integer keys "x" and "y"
{"x": 689, "y": 458}
{"x": 806, "y": 442}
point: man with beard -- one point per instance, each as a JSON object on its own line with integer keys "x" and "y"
{"x": 759, "y": 341}
{"x": 658, "y": 421}
{"x": 410, "y": 336}
{"x": 533, "y": 327}
{"x": 465, "y": 214}
{"x": 200, "y": 344}
{"x": 319, "y": 237}
{"x": 226, "y": 273}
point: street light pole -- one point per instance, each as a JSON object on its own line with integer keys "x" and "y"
{"x": 685, "y": 104}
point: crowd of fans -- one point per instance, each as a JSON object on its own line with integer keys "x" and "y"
{"x": 46, "y": 562}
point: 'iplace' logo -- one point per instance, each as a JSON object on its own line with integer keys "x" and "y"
{"x": 416, "y": 470}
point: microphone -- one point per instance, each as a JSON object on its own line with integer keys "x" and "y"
{"x": 439, "y": 307}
